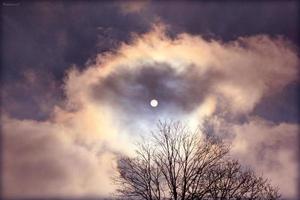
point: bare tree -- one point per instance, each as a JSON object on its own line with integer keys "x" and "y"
{"x": 179, "y": 164}
{"x": 139, "y": 177}
{"x": 229, "y": 180}
{"x": 184, "y": 157}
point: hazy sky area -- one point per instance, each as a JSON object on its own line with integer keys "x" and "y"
{"x": 78, "y": 78}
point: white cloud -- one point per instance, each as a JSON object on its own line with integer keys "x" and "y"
{"x": 271, "y": 149}
{"x": 42, "y": 158}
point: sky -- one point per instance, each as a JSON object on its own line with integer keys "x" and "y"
{"x": 78, "y": 77}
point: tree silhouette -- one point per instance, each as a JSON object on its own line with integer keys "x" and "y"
{"x": 178, "y": 164}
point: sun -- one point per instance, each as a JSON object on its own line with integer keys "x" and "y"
{"x": 154, "y": 103}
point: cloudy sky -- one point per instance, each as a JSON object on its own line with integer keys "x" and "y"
{"x": 78, "y": 78}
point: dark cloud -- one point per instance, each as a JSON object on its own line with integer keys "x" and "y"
{"x": 133, "y": 89}
{"x": 282, "y": 106}
{"x": 229, "y": 20}
{"x": 33, "y": 97}
{"x": 54, "y": 35}
{"x": 48, "y": 38}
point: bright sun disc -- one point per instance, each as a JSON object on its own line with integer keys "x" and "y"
{"x": 154, "y": 103}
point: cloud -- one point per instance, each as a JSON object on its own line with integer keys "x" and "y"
{"x": 271, "y": 149}
{"x": 41, "y": 159}
{"x": 32, "y": 96}
{"x": 183, "y": 90}
{"x": 133, "y": 6}
{"x": 239, "y": 73}
{"x": 107, "y": 106}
